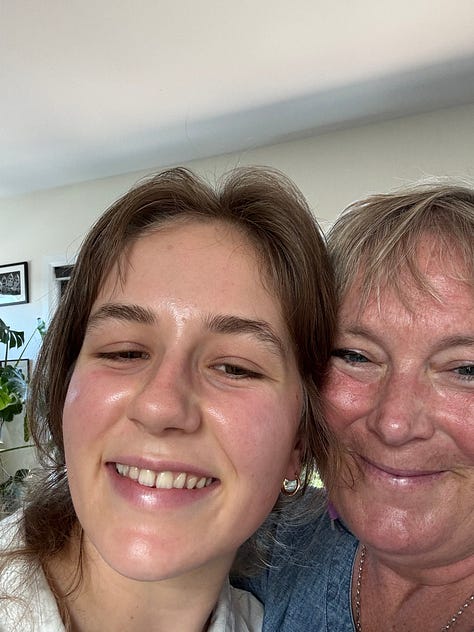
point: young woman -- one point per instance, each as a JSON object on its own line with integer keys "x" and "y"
{"x": 178, "y": 388}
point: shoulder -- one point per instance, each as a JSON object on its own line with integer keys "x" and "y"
{"x": 248, "y": 611}
{"x": 11, "y": 565}
{"x": 307, "y": 585}
{"x": 237, "y": 611}
{"x": 26, "y": 601}
{"x": 309, "y": 539}
{"x": 10, "y": 531}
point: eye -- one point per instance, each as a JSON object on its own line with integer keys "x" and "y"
{"x": 236, "y": 372}
{"x": 123, "y": 356}
{"x": 350, "y": 356}
{"x": 465, "y": 372}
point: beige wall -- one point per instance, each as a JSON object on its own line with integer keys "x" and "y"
{"x": 332, "y": 170}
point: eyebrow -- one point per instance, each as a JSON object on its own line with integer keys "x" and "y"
{"x": 444, "y": 343}
{"x": 358, "y": 330}
{"x": 227, "y": 324}
{"x": 220, "y": 323}
{"x": 119, "y": 311}
{"x": 455, "y": 341}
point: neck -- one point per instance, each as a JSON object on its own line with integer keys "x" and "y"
{"x": 394, "y": 596}
{"x": 422, "y": 570}
{"x": 106, "y": 600}
{"x": 161, "y": 610}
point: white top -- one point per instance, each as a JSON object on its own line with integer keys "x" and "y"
{"x": 35, "y": 608}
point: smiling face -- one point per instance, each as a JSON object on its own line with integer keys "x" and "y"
{"x": 401, "y": 396}
{"x": 181, "y": 415}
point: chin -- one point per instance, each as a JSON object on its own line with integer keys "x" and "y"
{"x": 394, "y": 531}
{"x": 146, "y": 558}
{"x": 145, "y": 564}
{"x": 136, "y": 557}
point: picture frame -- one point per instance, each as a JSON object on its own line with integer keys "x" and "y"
{"x": 14, "y": 284}
{"x": 23, "y": 364}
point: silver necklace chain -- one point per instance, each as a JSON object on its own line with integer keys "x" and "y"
{"x": 449, "y": 626}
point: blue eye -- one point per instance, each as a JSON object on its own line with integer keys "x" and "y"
{"x": 350, "y": 356}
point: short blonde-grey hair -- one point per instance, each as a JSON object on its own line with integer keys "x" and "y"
{"x": 375, "y": 240}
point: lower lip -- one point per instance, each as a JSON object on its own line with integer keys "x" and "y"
{"x": 399, "y": 481}
{"x": 153, "y": 498}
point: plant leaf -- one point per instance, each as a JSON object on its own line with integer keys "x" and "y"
{"x": 13, "y": 378}
{"x": 16, "y": 338}
{"x": 12, "y": 392}
{"x": 10, "y": 405}
{"x": 3, "y": 331}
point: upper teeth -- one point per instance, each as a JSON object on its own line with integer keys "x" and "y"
{"x": 163, "y": 480}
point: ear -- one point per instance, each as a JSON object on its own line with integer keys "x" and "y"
{"x": 294, "y": 463}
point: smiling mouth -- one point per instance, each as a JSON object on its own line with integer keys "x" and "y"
{"x": 162, "y": 480}
{"x": 401, "y": 473}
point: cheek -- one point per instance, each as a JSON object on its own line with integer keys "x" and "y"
{"x": 465, "y": 439}
{"x": 260, "y": 436}
{"x": 89, "y": 408}
{"x": 77, "y": 425}
{"x": 74, "y": 410}
{"x": 458, "y": 415}
{"x": 346, "y": 400}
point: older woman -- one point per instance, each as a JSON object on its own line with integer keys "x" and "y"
{"x": 400, "y": 396}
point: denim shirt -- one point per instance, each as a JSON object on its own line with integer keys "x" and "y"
{"x": 307, "y": 587}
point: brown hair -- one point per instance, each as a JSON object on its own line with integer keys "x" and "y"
{"x": 273, "y": 214}
{"x": 378, "y": 237}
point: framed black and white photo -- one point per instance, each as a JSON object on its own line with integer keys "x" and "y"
{"x": 14, "y": 283}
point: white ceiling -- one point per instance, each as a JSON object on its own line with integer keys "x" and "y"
{"x": 91, "y": 89}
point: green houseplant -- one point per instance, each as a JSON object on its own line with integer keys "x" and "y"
{"x": 13, "y": 387}
{"x": 12, "y": 380}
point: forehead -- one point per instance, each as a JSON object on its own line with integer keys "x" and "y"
{"x": 403, "y": 267}
{"x": 182, "y": 256}
{"x": 442, "y": 283}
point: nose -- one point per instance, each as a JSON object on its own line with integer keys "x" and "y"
{"x": 164, "y": 400}
{"x": 404, "y": 411}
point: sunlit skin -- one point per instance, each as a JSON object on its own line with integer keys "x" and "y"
{"x": 186, "y": 367}
{"x": 400, "y": 395}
